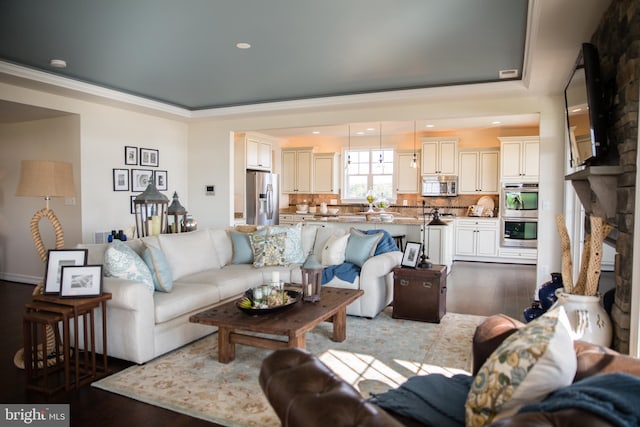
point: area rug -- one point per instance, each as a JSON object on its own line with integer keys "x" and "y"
{"x": 377, "y": 355}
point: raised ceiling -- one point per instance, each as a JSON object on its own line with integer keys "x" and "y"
{"x": 184, "y": 53}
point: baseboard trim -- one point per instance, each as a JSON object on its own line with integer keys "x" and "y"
{"x": 20, "y": 278}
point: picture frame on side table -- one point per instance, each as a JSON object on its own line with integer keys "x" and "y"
{"x": 81, "y": 281}
{"x": 56, "y": 260}
{"x": 130, "y": 155}
{"x": 149, "y": 157}
{"x": 411, "y": 254}
{"x": 160, "y": 177}
{"x": 121, "y": 180}
{"x": 140, "y": 179}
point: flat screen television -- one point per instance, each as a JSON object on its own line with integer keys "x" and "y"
{"x": 586, "y": 110}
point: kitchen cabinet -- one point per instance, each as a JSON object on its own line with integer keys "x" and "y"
{"x": 258, "y": 153}
{"x": 325, "y": 173}
{"x": 478, "y": 172}
{"x": 296, "y": 171}
{"x": 476, "y": 238}
{"x": 439, "y": 240}
{"x": 406, "y": 177}
{"x": 520, "y": 159}
{"x": 439, "y": 156}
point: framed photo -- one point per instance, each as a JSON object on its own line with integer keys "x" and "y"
{"x": 81, "y": 281}
{"x": 133, "y": 206}
{"x": 140, "y": 178}
{"x": 130, "y": 155}
{"x": 56, "y": 259}
{"x": 121, "y": 180}
{"x": 161, "y": 180}
{"x": 149, "y": 157}
{"x": 411, "y": 254}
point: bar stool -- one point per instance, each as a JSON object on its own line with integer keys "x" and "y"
{"x": 399, "y": 239}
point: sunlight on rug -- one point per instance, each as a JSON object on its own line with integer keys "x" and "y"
{"x": 377, "y": 355}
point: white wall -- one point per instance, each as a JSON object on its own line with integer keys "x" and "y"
{"x": 101, "y": 132}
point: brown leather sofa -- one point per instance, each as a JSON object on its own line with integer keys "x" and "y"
{"x": 305, "y": 392}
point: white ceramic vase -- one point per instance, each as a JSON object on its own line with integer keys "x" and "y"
{"x": 589, "y": 320}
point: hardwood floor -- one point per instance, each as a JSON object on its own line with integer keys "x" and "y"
{"x": 472, "y": 288}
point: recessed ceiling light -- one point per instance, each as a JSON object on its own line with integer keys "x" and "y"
{"x": 359, "y": 133}
{"x": 316, "y": 132}
{"x": 58, "y": 63}
{"x": 243, "y": 45}
{"x": 575, "y": 110}
{"x": 496, "y": 122}
{"x": 370, "y": 129}
{"x": 430, "y": 126}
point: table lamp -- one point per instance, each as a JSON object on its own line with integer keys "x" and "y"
{"x": 44, "y": 178}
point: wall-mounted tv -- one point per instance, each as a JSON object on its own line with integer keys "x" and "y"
{"x": 586, "y": 110}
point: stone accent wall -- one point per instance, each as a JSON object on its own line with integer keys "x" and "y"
{"x": 618, "y": 41}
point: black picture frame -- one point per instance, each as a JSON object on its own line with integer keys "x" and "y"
{"x": 56, "y": 260}
{"x": 411, "y": 254}
{"x": 160, "y": 178}
{"x": 120, "y": 179}
{"x": 81, "y": 281}
{"x": 130, "y": 155}
{"x": 132, "y": 207}
{"x": 149, "y": 157}
{"x": 140, "y": 179}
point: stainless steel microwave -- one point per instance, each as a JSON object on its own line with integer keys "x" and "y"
{"x": 440, "y": 185}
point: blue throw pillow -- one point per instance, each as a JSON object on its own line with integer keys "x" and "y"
{"x": 123, "y": 262}
{"x": 360, "y": 246}
{"x": 242, "y": 252}
{"x": 159, "y": 267}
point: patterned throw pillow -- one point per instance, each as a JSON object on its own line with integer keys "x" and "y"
{"x": 123, "y": 262}
{"x": 293, "y": 244}
{"x": 268, "y": 250}
{"x": 536, "y": 360}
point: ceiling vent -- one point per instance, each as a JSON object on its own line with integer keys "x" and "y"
{"x": 508, "y": 74}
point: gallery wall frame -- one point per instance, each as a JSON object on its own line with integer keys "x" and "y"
{"x": 160, "y": 178}
{"x": 140, "y": 179}
{"x": 130, "y": 155}
{"x": 120, "y": 179}
{"x": 149, "y": 157}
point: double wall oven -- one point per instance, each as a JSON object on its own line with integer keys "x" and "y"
{"x": 519, "y": 212}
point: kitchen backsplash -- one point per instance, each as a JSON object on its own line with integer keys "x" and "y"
{"x": 457, "y": 205}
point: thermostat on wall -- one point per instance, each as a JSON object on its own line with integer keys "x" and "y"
{"x": 210, "y": 190}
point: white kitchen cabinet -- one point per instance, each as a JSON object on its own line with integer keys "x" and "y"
{"x": 476, "y": 238}
{"x": 406, "y": 176}
{"x": 478, "y": 172}
{"x": 439, "y": 156}
{"x": 439, "y": 241}
{"x": 296, "y": 171}
{"x": 258, "y": 153}
{"x": 325, "y": 173}
{"x": 520, "y": 159}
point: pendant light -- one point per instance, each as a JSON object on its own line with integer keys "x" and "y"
{"x": 414, "y": 162}
{"x": 380, "y": 158}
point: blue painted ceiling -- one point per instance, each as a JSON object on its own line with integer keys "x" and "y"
{"x": 184, "y": 53}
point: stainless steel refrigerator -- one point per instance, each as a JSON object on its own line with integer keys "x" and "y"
{"x": 262, "y": 198}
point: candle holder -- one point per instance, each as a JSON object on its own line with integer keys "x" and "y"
{"x": 311, "y": 279}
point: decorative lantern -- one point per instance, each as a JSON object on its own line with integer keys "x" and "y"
{"x": 311, "y": 279}
{"x": 150, "y": 210}
{"x": 175, "y": 210}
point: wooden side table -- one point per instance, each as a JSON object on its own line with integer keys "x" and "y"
{"x": 85, "y": 367}
{"x": 420, "y": 293}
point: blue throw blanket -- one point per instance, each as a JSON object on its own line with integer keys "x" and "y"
{"x": 348, "y": 271}
{"x": 614, "y": 397}
{"x": 434, "y": 399}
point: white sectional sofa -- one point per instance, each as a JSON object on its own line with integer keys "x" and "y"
{"x": 143, "y": 324}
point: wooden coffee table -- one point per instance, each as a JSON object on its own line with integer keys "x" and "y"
{"x": 236, "y": 327}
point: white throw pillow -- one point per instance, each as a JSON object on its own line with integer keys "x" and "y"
{"x": 334, "y": 249}
{"x": 536, "y": 360}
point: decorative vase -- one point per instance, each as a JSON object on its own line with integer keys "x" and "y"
{"x": 589, "y": 320}
{"x": 189, "y": 224}
{"x": 533, "y": 312}
{"x": 547, "y": 292}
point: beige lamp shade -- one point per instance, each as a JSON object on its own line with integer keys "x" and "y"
{"x": 44, "y": 178}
